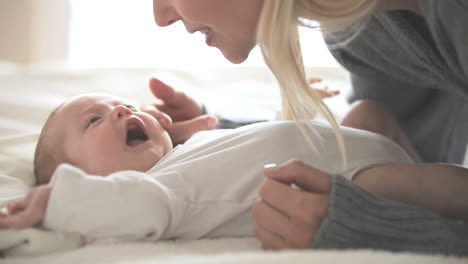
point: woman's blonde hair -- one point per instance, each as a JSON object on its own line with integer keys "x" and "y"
{"x": 278, "y": 38}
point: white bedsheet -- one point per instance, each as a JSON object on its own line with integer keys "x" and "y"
{"x": 221, "y": 251}
{"x": 27, "y": 97}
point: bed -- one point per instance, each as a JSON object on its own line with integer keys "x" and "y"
{"x": 29, "y": 94}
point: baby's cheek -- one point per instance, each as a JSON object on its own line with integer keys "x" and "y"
{"x": 150, "y": 159}
{"x": 104, "y": 158}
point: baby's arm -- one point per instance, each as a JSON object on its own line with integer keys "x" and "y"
{"x": 441, "y": 188}
{"x": 129, "y": 205}
{"x": 372, "y": 116}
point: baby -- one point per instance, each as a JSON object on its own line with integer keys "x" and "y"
{"x": 202, "y": 188}
{"x": 101, "y": 134}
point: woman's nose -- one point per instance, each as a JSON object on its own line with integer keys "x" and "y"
{"x": 121, "y": 111}
{"x": 164, "y": 14}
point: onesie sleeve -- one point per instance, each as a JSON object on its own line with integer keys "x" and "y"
{"x": 358, "y": 219}
{"x": 128, "y": 205}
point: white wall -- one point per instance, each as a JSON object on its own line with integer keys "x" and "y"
{"x": 122, "y": 33}
{"x": 50, "y": 30}
{"x": 114, "y": 33}
{"x": 34, "y": 31}
{"x": 15, "y": 30}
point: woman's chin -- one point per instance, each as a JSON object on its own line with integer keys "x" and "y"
{"x": 234, "y": 57}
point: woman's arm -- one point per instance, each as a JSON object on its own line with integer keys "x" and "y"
{"x": 442, "y": 188}
{"x": 357, "y": 218}
{"x": 335, "y": 213}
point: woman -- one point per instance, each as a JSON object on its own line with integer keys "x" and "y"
{"x": 408, "y": 62}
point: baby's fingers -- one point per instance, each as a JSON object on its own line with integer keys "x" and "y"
{"x": 16, "y": 206}
{"x": 7, "y": 221}
{"x": 19, "y": 220}
{"x": 3, "y": 211}
{"x": 4, "y": 220}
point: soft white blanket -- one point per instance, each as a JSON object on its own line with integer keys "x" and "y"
{"x": 27, "y": 96}
{"x": 220, "y": 251}
{"x": 33, "y": 241}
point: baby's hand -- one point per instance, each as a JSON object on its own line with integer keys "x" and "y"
{"x": 322, "y": 92}
{"x": 27, "y": 211}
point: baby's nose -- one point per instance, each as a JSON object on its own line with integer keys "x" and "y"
{"x": 121, "y": 111}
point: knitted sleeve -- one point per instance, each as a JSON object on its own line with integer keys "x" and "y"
{"x": 358, "y": 219}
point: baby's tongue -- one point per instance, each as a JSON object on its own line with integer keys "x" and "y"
{"x": 135, "y": 142}
{"x": 135, "y": 136}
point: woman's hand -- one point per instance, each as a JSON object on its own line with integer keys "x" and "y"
{"x": 183, "y": 109}
{"x": 286, "y": 217}
{"x": 27, "y": 211}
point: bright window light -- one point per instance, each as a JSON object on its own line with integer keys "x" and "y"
{"x": 122, "y": 33}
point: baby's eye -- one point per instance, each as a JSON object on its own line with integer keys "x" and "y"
{"x": 93, "y": 120}
{"x": 131, "y": 107}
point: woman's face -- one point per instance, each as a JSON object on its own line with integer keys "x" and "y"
{"x": 229, "y": 25}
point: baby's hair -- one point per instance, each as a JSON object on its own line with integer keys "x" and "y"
{"x": 45, "y": 161}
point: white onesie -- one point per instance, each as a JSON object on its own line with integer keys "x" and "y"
{"x": 205, "y": 187}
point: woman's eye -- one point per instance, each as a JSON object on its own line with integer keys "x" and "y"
{"x": 93, "y": 120}
{"x": 131, "y": 107}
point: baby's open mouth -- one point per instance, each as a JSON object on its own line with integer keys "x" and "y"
{"x": 135, "y": 135}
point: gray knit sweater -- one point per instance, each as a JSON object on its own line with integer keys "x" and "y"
{"x": 417, "y": 67}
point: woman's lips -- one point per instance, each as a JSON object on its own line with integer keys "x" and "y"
{"x": 209, "y": 38}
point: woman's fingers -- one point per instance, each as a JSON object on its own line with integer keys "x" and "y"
{"x": 302, "y": 206}
{"x": 162, "y": 90}
{"x": 171, "y": 97}
{"x": 269, "y": 240}
{"x": 288, "y": 225}
{"x": 268, "y": 220}
{"x": 183, "y": 130}
{"x": 286, "y": 217}
{"x": 271, "y": 218}
{"x": 163, "y": 118}
{"x": 178, "y": 105}
{"x": 304, "y": 176}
